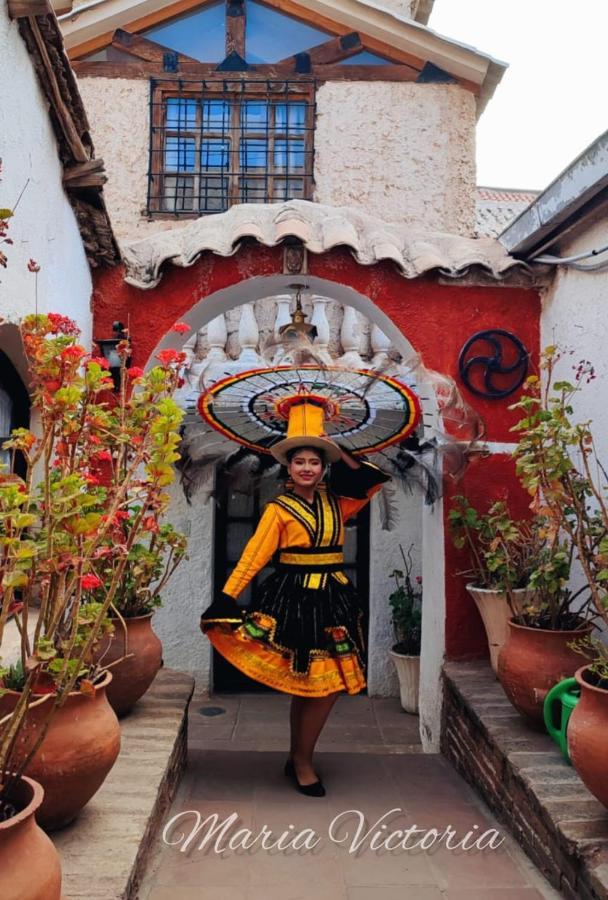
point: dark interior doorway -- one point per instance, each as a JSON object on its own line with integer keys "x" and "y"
{"x": 236, "y": 518}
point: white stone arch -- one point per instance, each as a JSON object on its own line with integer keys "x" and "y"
{"x": 433, "y": 557}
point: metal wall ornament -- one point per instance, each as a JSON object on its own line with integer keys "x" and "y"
{"x": 504, "y": 344}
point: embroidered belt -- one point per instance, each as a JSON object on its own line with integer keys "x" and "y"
{"x": 316, "y": 563}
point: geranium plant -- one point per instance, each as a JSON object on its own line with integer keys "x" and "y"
{"x": 558, "y": 464}
{"x": 95, "y": 456}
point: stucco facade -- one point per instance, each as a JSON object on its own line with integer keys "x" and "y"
{"x": 44, "y": 226}
{"x": 402, "y": 151}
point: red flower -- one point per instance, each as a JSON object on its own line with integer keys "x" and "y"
{"x": 62, "y": 324}
{"x": 121, "y": 516}
{"x": 168, "y": 356}
{"x": 90, "y": 582}
{"x": 150, "y": 524}
{"x": 74, "y": 352}
{"x": 33, "y": 266}
{"x": 181, "y": 328}
{"x": 103, "y": 456}
{"x": 135, "y": 372}
{"x": 92, "y": 479}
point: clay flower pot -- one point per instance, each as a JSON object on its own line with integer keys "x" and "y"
{"x": 495, "y": 613}
{"x": 531, "y": 662}
{"x": 29, "y": 864}
{"x": 588, "y": 735}
{"x": 79, "y": 749}
{"x": 133, "y": 676}
{"x": 408, "y": 671}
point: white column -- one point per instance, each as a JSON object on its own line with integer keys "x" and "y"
{"x": 350, "y": 338}
{"x": 320, "y": 321}
{"x": 212, "y": 367}
{"x": 283, "y": 317}
{"x": 249, "y": 335}
{"x": 380, "y": 348}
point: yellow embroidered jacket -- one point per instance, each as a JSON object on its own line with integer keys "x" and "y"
{"x": 291, "y": 522}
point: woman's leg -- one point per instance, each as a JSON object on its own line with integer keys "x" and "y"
{"x": 307, "y": 717}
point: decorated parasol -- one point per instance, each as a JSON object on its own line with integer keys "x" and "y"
{"x": 362, "y": 410}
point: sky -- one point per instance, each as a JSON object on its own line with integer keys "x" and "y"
{"x": 550, "y": 104}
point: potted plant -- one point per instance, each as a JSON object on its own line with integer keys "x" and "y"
{"x": 557, "y": 461}
{"x": 133, "y": 651}
{"x": 55, "y": 525}
{"x": 539, "y": 652}
{"x": 503, "y": 553}
{"x": 405, "y": 602}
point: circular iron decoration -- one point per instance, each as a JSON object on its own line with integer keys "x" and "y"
{"x": 506, "y": 347}
{"x": 365, "y": 410}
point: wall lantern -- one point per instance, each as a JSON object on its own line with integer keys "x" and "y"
{"x": 109, "y": 349}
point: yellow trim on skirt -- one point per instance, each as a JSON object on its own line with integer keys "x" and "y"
{"x": 326, "y": 675}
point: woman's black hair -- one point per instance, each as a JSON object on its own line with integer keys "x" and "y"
{"x": 293, "y": 450}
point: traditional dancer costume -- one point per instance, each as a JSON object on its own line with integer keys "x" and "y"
{"x": 304, "y": 634}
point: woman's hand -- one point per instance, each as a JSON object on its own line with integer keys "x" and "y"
{"x": 345, "y": 456}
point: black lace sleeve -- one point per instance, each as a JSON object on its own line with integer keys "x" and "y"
{"x": 355, "y": 483}
{"x": 224, "y": 610}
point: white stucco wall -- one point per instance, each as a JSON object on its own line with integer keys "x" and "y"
{"x": 404, "y": 152}
{"x": 575, "y": 316}
{"x": 44, "y": 226}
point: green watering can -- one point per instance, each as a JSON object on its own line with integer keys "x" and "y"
{"x": 558, "y": 706}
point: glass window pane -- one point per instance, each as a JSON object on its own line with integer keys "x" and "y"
{"x": 272, "y": 35}
{"x": 240, "y": 504}
{"x": 365, "y": 58}
{"x": 200, "y": 34}
{"x": 253, "y": 190}
{"x": 290, "y": 116}
{"x": 289, "y": 155}
{"x": 180, "y": 153}
{"x": 254, "y": 155}
{"x": 6, "y": 412}
{"x": 178, "y": 194}
{"x": 214, "y": 154}
{"x": 216, "y": 115}
{"x": 180, "y": 113}
{"x": 287, "y": 189}
{"x": 238, "y": 533}
{"x": 213, "y": 194}
{"x": 254, "y": 115}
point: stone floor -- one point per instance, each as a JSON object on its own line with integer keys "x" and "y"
{"x": 370, "y": 759}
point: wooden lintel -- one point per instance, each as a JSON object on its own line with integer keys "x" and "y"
{"x": 141, "y": 68}
{"x": 142, "y": 48}
{"x": 235, "y": 27}
{"x": 19, "y": 9}
{"x": 366, "y": 73}
{"x": 330, "y": 51}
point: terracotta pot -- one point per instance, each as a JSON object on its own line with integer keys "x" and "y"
{"x": 29, "y": 864}
{"x": 531, "y": 662}
{"x": 495, "y": 613}
{"x": 408, "y": 670}
{"x": 134, "y": 675}
{"x": 79, "y": 749}
{"x": 588, "y": 736}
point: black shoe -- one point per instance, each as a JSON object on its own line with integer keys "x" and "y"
{"x": 315, "y": 789}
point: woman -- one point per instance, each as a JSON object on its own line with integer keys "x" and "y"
{"x": 303, "y": 636}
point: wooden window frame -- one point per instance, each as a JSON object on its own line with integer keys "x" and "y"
{"x": 236, "y": 91}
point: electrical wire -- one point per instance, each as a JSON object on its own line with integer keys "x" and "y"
{"x": 573, "y": 262}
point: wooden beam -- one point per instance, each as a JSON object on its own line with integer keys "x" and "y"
{"x": 19, "y": 9}
{"x": 141, "y": 68}
{"x": 365, "y": 73}
{"x": 88, "y": 174}
{"x": 64, "y": 116}
{"x": 142, "y": 48}
{"x": 235, "y": 27}
{"x": 331, "y": 51}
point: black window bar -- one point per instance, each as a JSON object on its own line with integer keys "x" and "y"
{"x": 218, "y": 142}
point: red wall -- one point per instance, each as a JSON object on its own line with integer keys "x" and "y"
{"x": 436, "y": 319}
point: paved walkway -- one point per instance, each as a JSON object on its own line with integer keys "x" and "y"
{"x": 370, "y": 759}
